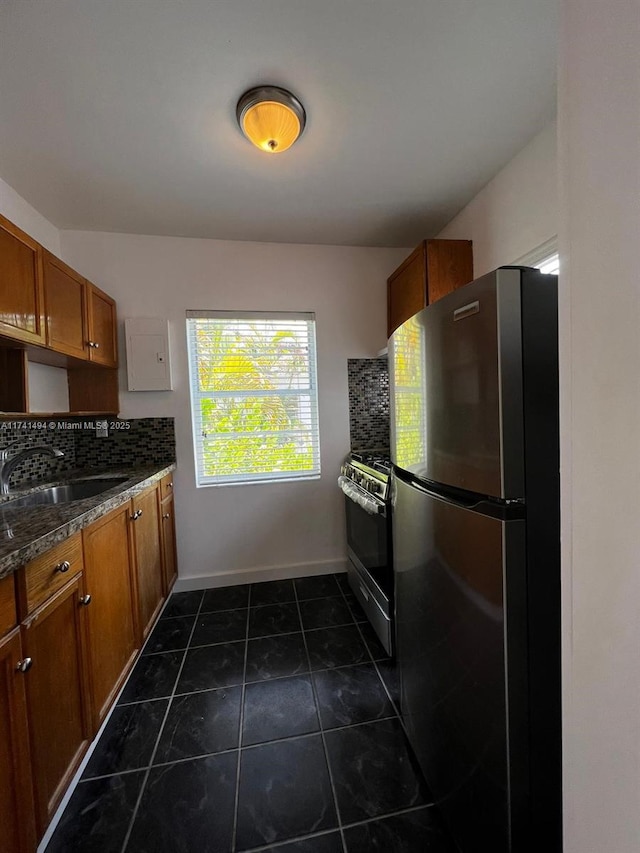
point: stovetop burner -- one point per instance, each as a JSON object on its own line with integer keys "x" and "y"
{"x": 373, "y": 459}
{"x": 370, "y": 470}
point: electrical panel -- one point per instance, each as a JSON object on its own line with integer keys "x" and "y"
{"x": 148, "y": 357}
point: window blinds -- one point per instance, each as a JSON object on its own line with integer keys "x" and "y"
{"x": 253, "y": 396}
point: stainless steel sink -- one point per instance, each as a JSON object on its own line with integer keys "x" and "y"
{"x": 68, "y": 493}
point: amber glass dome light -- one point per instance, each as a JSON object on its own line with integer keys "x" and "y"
{"x": 271, "y": 118}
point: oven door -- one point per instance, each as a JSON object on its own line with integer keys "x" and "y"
{"x": 368, "y": 539}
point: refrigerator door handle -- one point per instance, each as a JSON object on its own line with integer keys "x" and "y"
{"x": 476, "y": 503}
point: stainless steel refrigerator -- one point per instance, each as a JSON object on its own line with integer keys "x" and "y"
{"x": 475, "y": 513}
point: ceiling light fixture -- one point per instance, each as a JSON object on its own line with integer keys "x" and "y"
{"x": 271, "y": 118}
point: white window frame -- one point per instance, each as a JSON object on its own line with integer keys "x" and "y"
{"x": 252, "y": 478}
{"x": 541, "y": 256}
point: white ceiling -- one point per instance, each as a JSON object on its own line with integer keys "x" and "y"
{"x": 119, "y": 115}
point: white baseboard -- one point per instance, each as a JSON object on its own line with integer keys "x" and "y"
{"x": 259, "y": 574}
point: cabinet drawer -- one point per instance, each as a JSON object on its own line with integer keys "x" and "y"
{"x": 46, "y": 574}
{"x": 8, "y": 616}
{"x": 166, "y": 486}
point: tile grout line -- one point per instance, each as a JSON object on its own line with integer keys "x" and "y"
{"x": 396, "y": 707}
{"x": 134, "y": 815}
{"x": 257, "y": 681}
{"x": 298, "y": 838}
{"x": 324, "y": 743}
{"x": 234, "y": 748}
{"x": 375, "y": 663}
{"x": 241, "y": 725}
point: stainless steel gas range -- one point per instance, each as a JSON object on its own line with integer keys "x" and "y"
{"x": 364, "y": 479}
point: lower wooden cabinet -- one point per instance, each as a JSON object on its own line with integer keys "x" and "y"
{"x": 112, "y": 619}
{"x": 17, "y": 825}
{"x": 169, "y": 560}
{"x": 84, "y": 608}
{"x": 147, "y": 549}
{"x": 54, "y": 637}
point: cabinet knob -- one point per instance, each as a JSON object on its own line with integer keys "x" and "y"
{"x": 94, "y": 344}
{"x": 167, "y": 515}
{"x": 63, "y": 567}
{"x": 85, "y": 599}
{"x": 24, "y": 665}
{"x": 170, "y": 485}
{"x": 136, "y": 515}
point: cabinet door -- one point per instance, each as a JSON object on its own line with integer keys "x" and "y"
{"x": 103, "y": 346}
{"x": 169, "y": 559}
{"x": 16, "y": 798}
{"x": 449, "y": 266}
{"x": 146, "y": 535}
{"x": 54, "y": 637}
{"x": 66, "y": 308}
{"x": 406, "y": 290}
{"x": 111, "y": 619}
{"x": 21, "y": 290}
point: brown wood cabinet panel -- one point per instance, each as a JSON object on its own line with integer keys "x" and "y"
{"x": 433, "y": 269}
{"x": 111, "y": 617}
{"x": 8, "y": 615}
{"x": 449, "y": 266}
{"x": 169, "y": 558}
{"x": 103, "y": 345}
{"x": 21, "y": 288}
{"x": 93, "y": 389}
{"x": 166, "y": 486}
{"x": 66, "y": 308}
{"x": 14, "y": 383}
{"x": 147, "y": 548}
{"x": 49, "y": 572}
{"x": 16, "y": 798}
{"x": 407, "y": 289}
{"x": 54, "y": 637}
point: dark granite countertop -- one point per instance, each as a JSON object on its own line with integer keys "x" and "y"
{"x": 26, "y": 533}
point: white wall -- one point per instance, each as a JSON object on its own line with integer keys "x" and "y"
{"x": 20, "y": 212}
{"x": 288, "y": 527}
{"x": 599, "y": 167}
{"x": 48, "y": 388}
{"x": 516, "y": 212}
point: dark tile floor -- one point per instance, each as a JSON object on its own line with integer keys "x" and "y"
{"x": 259, "y": 717}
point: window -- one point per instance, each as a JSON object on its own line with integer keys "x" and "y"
{"x": 545, "y": 258}
{"x": 253, "y": 396}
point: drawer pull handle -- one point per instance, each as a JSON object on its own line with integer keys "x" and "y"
{"x": 24, "y": 665}
{"x": 63, "y": 567}
{"x": 85, "y": 600}
{"x": 136, "y": 515}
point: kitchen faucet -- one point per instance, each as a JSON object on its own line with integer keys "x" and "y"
{"x": 7, "y": 466}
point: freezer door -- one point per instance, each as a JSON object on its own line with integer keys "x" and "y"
{"x": 463, "y": 674}
{"x": 456, "y": 389}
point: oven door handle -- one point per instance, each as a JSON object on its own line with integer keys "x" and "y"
{"x": 369, "y": 503}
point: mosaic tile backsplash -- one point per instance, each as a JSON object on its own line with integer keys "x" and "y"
{"x": 369, "y": 403}
{"x": 147, "y": 441}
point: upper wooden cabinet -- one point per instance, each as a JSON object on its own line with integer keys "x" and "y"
{"x": 51, "y": 314}
{"x": 433, "y": 269}
{"x": 21, "y": 287}
{"x": 102, "y": 323}
{"x": 65, "y": 296}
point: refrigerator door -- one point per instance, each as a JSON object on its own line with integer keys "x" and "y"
{"x": 463, "y": 670}
{"x": 456, "y": 389}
